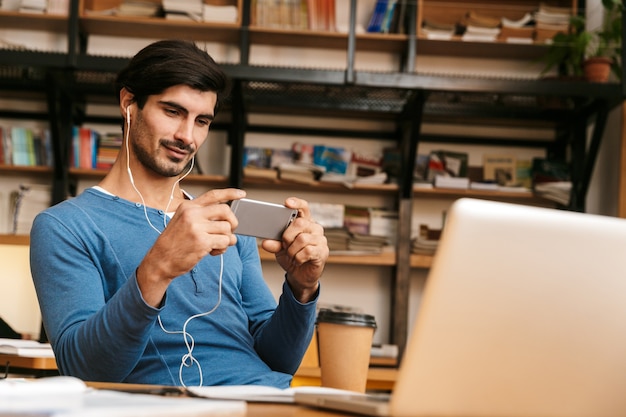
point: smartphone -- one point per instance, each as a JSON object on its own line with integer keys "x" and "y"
{"x": 262, "y": 219}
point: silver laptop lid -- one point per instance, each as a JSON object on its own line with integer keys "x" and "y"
{"x": 524, "y": 314}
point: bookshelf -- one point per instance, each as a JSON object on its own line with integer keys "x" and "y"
{"x": 404, "y": 97}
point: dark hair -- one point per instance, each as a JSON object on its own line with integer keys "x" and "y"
{"x": 167, "y": 63}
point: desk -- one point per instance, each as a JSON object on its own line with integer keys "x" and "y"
{"x": 288, "y": 410}
{"x": 378, "y": 378}
{"x": 23, "y": 364}
{"x": 253, "y": 409}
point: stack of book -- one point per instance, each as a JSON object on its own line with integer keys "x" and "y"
{"x": 337, "y": 239}
{"x": 317, "y": 15}
{"x": 480, "y": 28}
{"x": 551, "y": 20}
{"x": 33, "y": 6}
{"x": 108, "y": 148}
{"x": 557, "y": 191}
{"x": 183, "y": 10}
{"x": 427, "y": 241}
{"x": 26, "y": 348}
{"x": 299, "y": 172}
{"x": 437, "y": 30}
{"x": 25, "y": 147}
{"x": 342, "y": 241}
{"x": 518, "y": 31}
{"x": 367, "y": 243}
{"x": 420, "y": 246}
{"x": 138, "y": 8}
{"x": 551, "y": 180}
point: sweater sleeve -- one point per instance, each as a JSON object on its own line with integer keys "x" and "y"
{"x": 95, "y": 335}
{"x": 282, "y": 334}
{"x": 283, "y": 340}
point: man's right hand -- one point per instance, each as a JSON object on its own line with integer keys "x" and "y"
{"x": 200, "y": 227}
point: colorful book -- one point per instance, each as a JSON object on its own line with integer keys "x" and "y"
{"x": 376, "y": 21}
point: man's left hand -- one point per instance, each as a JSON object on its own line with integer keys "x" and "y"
{"x": 302, "y": 253}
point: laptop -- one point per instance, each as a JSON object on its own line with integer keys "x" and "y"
{"x": 523, "y": 314}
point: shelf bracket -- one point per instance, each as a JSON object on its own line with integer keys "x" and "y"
{"x": 584, "y": 156}
{"x": 351, "y": 44}
{"x": 409, "y": 132}
{"x": 60, "y": 109}
{"x": 236, "y": 134}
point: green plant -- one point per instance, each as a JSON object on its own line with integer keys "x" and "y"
{"x": 607, "y": 40}
{"x": 567, "y": 50}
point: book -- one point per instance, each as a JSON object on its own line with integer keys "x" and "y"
{"x": 443, "y": 181}
{"x": 27, "y": 348}
{"x": 357, "y": 219}
{"x": 447, "y": 163}
{"x": 500, "y": 168}
{"x": 27, "y": 202}
{"x": 384, "y": 222}
{"x": 385, "y": 26}
{"x": 254, "y": 172}
{"x": 299, "y": 172}
{"x": 378, "y": 14}
{"x": 365, "y": 164}
{"x": 281, "y": 156}
{"x": 333, "y": 159}
{"x": 257, "y": 157}
{"x": 558, "y": 191}
{"x": 549, "y": 170}
{"x": 328, "y": 215}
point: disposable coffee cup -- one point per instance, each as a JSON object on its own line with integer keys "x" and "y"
{"x": 345, "y": 342}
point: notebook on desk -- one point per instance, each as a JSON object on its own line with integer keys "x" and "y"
{"x": 523, "y": 314}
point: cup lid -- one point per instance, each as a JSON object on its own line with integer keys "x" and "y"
{"x": 339, "y": 317}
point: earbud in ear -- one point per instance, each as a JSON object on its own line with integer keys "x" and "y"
{"x": 128, "y": 114}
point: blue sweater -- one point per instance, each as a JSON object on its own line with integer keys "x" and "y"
{"x": 84, "y": 252}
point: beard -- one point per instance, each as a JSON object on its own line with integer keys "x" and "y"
{"x": 164, "y": 169}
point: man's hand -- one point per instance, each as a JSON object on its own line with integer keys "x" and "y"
{"x": 199, "y": 227}
{"x": 302, "y": 253}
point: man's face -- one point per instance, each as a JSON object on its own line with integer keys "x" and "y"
{"x": 170, "y": 128}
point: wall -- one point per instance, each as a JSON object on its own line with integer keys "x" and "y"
{"x": 18, "y": 301}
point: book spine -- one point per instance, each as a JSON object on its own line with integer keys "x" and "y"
{"x": 388, "y": 17}
{"x": 377, "y": 16}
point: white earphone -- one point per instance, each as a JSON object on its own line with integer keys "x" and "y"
{"x": 187, "y": 359}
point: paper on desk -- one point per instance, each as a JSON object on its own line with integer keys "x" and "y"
{"x": 28, "y": 348}
{"x": 69, "y": 397}
{"x": 258, "y": 393}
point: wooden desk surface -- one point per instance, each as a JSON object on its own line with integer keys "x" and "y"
{"x": 253, "y": 409}
{"x": 288, "y": 410}
{"x": 378, "y": 378}
{"x": 36, "y": 364}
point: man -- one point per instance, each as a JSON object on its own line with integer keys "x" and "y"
{"x": 139, "y": 282}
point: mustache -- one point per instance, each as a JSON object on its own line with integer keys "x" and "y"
{"x": 177, "y": 144}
